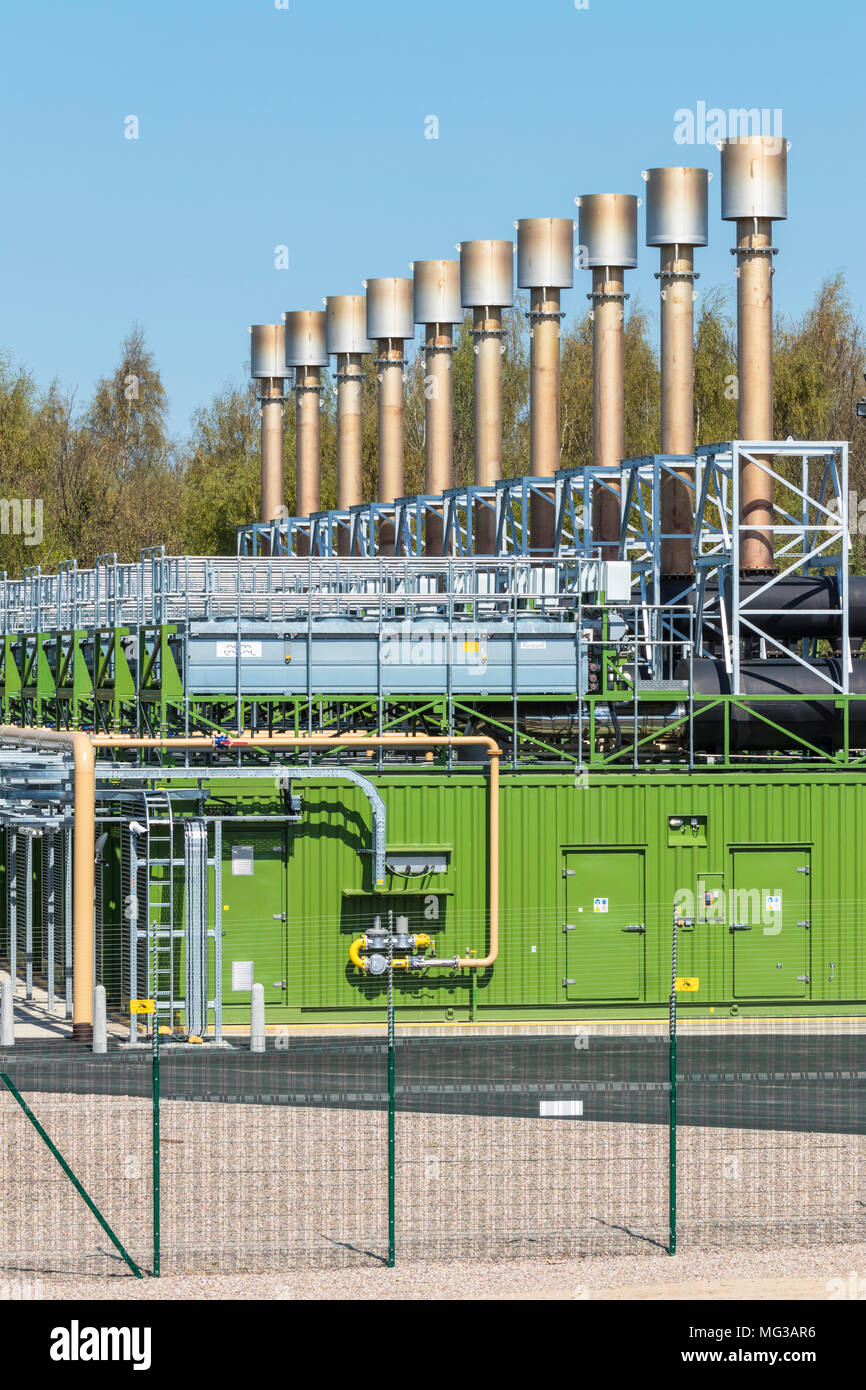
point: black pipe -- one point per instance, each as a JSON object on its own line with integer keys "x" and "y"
{"x": 818, "y": 721}
{"x": 817, "y": 593}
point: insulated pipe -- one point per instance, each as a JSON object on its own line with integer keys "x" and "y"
{"x": 755, "y": 385}
{"x": 754, "y": 189}
{"x": 390, "y": 365}
{"x": 273, "y": 488}
{"x": 676, "y": 279}
{"x": 349, "y": 442}
{"x": 544, "y": 425}
{"x": 346, "y": 340}
{"x": 439, "y": 423}
{"x": 487, "y": 414}
{"x": 608, "y": 398}
{"x": 677, "y": 220}
{"x": 308, "y": 384}
{"x": 83, "y": 857}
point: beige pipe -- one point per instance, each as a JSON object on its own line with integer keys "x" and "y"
{"x": 544, "y": 422}
{"x": 608, "y": 397}
{"x": 83, "y": 855}
{"x": 349, "y": 440}
{"x": 439, "y": 423}
{"x": 273, "y": 467}
{"x": 755, "y": 384}
{"x": 487, "y": 326}
{"x": 676, "y": 280}
{"x": 307, "y": 430}
{"x": 390, "y": 368}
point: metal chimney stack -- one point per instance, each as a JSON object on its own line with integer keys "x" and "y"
{"x": 306, "y": 352}
{"x": 346, "y": 339}
{"x": 437, "y": 307}
{"x": 608, "y": 240}
{"x": 545, "y": 266}
{"x": 487, "y": 287}
{"x": 754, "y": 195}
{"x": 390, "y": 322}
{"x": 268, "y": 368}
{"x": 676, "y": 222}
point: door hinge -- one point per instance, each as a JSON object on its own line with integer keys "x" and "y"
{"x": 805, "y": 979}
{"x": 568, "y": 926}
{"x": 567, "y": 981}
{"x": 635, "y": 926}
{"x": 569, "y": 873}
{"x": 279, "y": 984}
{"x": 739, "y": 926}
{"x": 803, "y": 869}
{"x": 805, "y": 924}
{"x": 279, "y": 916}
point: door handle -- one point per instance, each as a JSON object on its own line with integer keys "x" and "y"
{"x": 739, "y": 926}
{"x": 635, "y": 926}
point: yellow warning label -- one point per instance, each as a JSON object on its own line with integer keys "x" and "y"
{"x": 142, "y": 1006}
{"x": 685, "y": 984}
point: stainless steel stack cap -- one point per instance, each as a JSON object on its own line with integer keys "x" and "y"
{"x": 608, "y": 228}
{"x": 545, "y": 253}
{"x": 305, "y": 338}
{"x": 267, "y": 351}
{"x": 754, "y": 177}
{"x": 486, "y": 274}
{"x": 677, "y": 206}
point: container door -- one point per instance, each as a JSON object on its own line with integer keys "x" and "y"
{"x": 253, "y": 913}
{"x": 604, "y": 924}
{"x": 768, "y": 920}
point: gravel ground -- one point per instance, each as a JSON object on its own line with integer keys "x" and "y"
{"x": 824, "y": 1272}
{"x": 255, "y": 1189}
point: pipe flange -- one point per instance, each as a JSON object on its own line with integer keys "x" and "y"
{"x": 754, "y": 250}
{"x": 538, "y": 315}
{"x": 488, "y": 333}
{"x": 348, "y": 376}
{"x": 690, "y": 275}
{"x": 401, "y": 362}
{"x": 305, "y": 386}
{"x": 599, "y": 296}
{"x": 440, "y": 347}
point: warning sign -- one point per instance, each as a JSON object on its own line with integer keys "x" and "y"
{"x": 687, "y": 984}
{"x": 142, "y": 1006}
{"x": 599, "y": 904}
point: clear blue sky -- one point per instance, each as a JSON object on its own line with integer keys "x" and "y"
{"x": 306, "y": 127}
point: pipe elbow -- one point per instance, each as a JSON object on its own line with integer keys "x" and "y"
{"x": 355, "y": 954}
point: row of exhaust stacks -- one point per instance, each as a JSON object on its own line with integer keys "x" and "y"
{"x": 753, "y": 194}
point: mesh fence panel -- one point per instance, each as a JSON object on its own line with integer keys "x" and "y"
{"x": 97, "y": 1111}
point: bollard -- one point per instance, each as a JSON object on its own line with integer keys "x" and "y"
{"x": 100, "y": 1031}
{"x": 257, "y": 1018}
{"x": 7, "y": 1016}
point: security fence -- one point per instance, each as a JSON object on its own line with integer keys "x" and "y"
{"x": 516, "y": 1141}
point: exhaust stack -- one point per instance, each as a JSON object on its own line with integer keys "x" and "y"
{"x": 305, "y": 351}
{"x": 390, "y": 323}
{"x": 437, "y": 307}
{"x": 545, "y": 266}
{"x": 487, "y": 288}
{"x": 346, "y": 339}
{"x": 608, "y": 245}
{"x": 754, "y": 195}
{"x": 676, "y": 222}
{"x": 268, "y": 368}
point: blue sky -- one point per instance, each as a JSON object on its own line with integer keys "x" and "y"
{"x": 305, "y": 127}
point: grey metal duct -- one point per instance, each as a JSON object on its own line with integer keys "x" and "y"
{"x": 608, "y": 242}
{"x": 390, "y": 322}
{"x": 346, "y": 339}
{"x": 487, "y": 288}
{"x": 676, "y": 222}
{"x": 545, "y": 266}
{"x": 306, "y": 352}
{"x": 754, "y": 195}
{"x": 268, "y": 369}
{"x": 437, "y": 307}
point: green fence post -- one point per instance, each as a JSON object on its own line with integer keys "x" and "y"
{"x": 155, "y": 1138}
{"x": 392, "y": 1254}
{"x": 672, "y": 1103}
